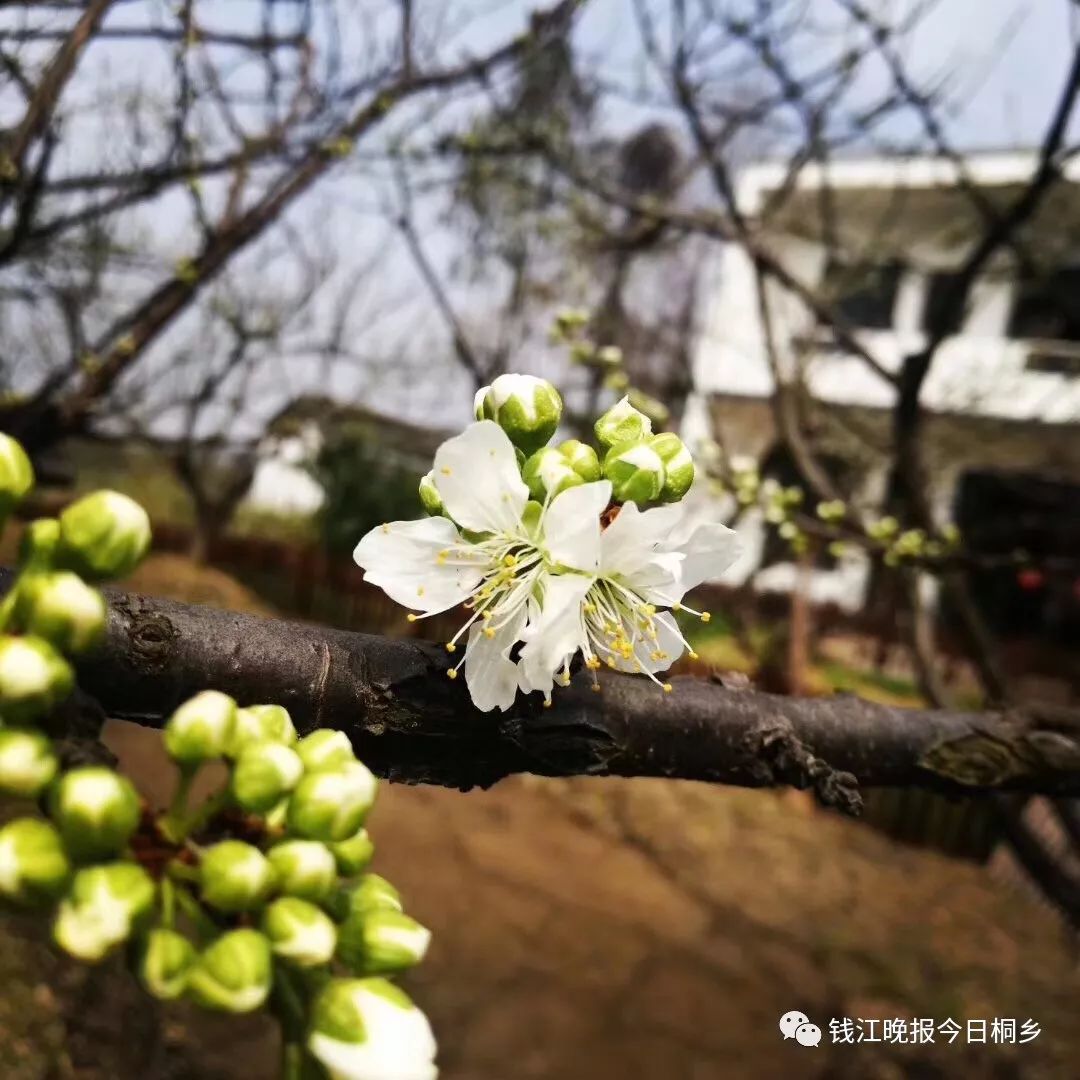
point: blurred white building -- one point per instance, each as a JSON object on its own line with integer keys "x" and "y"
{"x": 880, "y": 240}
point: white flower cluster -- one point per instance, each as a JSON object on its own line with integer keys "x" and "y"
{"x": 553, "y": 551}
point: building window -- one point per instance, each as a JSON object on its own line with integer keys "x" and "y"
{"x": 862, "y": 295}
{"x": 937, "y": 316}
{"x": 1048, "y": 308}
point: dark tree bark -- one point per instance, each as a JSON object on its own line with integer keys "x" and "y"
{"x": 409, "y": 722}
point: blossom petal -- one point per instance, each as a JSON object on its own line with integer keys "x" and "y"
{"x": 402, "y": 559}
{"x": 707, "y": 552}
{"x": 557, "y": 634}
{"x": 633, "y": 537}
{"x": 572, "y": 525}
{"x": 491, "y": 674}
{"x": 477, "y": 477}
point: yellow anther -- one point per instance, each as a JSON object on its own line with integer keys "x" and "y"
{"x": 705, "y": 616}
{"x": 676, "y": 607}
{"x": 386, "y": 528}
{"x": 485, "y": 615}
{"x": 510, "y": 560}
{"x": 489, "y": 632}
{"x": 668, "y": 688}
{"x": 693, "y": 655}
{"x": 445, "y": 470}
{"x": 411, "y": 617}
{"x": 596, "y": 688}
{"x": 547, "y": 703}
{"x": 451, "y": 647}
{"x": 452, "y": 673}
{"x": 610, "y": 663}
{"x": 649, "y": 609}
{"x": 420, "y": 590}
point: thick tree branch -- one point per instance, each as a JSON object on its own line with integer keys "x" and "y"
{"x": 409, "y": 722}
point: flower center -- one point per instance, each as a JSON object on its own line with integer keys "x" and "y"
{"x": 510, "y": 566}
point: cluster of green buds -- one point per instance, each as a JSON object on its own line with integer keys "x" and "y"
{"x": 260, "y": 894}
{"x": 642, "y": 467}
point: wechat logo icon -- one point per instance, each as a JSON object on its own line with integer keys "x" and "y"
{"x": 796, "y": 1025}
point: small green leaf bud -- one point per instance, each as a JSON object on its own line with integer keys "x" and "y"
{"x": 299, "y": 931}
{"x": 37, "y": 549}
{"x": 678, "y": 466}
{"x": 635, "y": 471}
{"x": 34, "y": 678}
{"x": 429, "y": 495}
{"x": 63, "y": 609}
{"x": 325, "y": 748}
{"x": 164, "y": 963}
{"x": 353, "y": 856}
{"x": 233, "y": 974}
{"x": 832, "y": 510}
{"x": 528, "y": 409}
{"x": 34, "y": 868}
{"x": 27, "y": 762}
{"x": 102, "y": 908}
{"x": 331, "y": 805}
{"x": 304, "y": 868}
{"x": 104, "y": 535}
{"x": 263, "y": 774}
{"x": 259, "y": 723}
{"x": 381, "y": 942}
{"x": 235, "y": 876}
{"x": 16, "y": 474}
{"x": 96, "y": 811}
{"x": 622, "y": 423}
{"x": 368, "y": 1029}
{"x": 201, "y": 729}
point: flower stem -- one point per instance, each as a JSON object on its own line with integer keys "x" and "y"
{"x": 173, "y": 823}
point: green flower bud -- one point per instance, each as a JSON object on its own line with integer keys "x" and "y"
{"x": 233, "y": 974}
{"x": 678, "y": 466}
{"x": 325, "y": 749}
{"x": 304, "y": 868}
{"x": 16, "y": 474}
{"x": 582, "y": 459}
{"x": 34, "y": 678}
{"x": 63, "y": 609}
{"x": 370, "y": 893}
{"x": 104, "y": 535}
{"x": 353, "y": 855}
{"x": 263, "y": 774}
{"x": 235, "y": 876}
{"x": 260, "y": 723}
{"x": 635, "y": 471}
{"x": 202, "y": 728}
{"x": 368, "y": 1029}
{"x": 37, "y": 549}
{"x": 96, "y": 811}
{"x": 27, "y": 762}
{"x": 381, "y": 942}
{"x": 102, "y": 909}
{"x": 528, "y": 409}
{"x": 429, "y": 495}
{"x": 547, "y": 473}
{"x": 332, "y": 805}
{"x": 299, "y": 931}
{"x": 164, "y": 963}
{"x": 34, "y": 867}
{"x": 622, "y": 423}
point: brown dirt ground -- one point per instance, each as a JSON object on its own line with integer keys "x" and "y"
{"x": 616, "y": 930}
